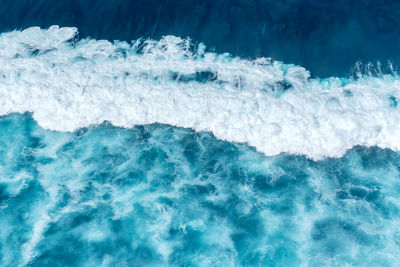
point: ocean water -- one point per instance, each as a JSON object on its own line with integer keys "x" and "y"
{"x": 157, "y": 195}
{"x": 326, "y": 37}
{"x": 199, "y": 133}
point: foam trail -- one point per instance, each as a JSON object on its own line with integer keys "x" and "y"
{"x": 69, "y": 83}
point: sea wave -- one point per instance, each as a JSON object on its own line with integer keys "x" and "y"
{"x": 69, "y": 83}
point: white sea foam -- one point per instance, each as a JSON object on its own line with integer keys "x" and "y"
{"x": 68, "y": 84}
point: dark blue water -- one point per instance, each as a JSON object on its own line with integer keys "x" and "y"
{"x": 326, "y": 37}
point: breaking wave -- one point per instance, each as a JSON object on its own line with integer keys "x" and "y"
{"x": 69, "y": 83}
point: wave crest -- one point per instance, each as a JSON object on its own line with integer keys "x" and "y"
{"x": 69, "y": 83}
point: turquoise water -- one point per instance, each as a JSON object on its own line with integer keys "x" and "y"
{"x": 156, "y": 195}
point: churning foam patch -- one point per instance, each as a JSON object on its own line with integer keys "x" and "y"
{"x": 69, "y": 83}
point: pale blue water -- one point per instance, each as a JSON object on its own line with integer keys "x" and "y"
{"x": 158, "y": 195}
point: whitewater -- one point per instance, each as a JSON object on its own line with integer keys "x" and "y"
{"x": 268, "y": 165}
{"x": 68, "y": 83}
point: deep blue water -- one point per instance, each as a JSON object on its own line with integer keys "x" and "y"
{"x": 326, "y": 37}
{"x": 158, "y": 195}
